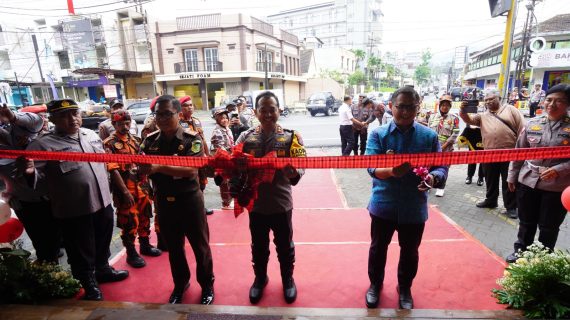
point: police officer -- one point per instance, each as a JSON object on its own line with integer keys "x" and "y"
{"x": 179, "y": 200}
{"x": 365, "y": 115}
{"x": 32, "y": 207}
{"x": 134, "y": 208}
{"x": 539, "y": 183}
{"x": 149, "y": 125}
{"x": 79, "y": 194}
{"x": 446, "y": 125}
{"x": 106, "y": 127}
{"x": 273, "y": 208}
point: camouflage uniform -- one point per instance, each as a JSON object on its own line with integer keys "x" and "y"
{"x": 446, "y": 127}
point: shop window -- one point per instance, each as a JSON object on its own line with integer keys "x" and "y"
{"x": 63, "y": 58}
{"x": 562, "y": 44}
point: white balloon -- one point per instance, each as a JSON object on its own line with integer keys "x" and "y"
{"x": 5, "y": 211}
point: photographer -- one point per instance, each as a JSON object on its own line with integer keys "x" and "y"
{"x": 236, "y": 124}
{"x": 500, "y": 127}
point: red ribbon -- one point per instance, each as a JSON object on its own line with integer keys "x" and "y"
{"x": 335, "y": 162}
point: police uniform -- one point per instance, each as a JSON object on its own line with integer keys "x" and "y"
{"x": 364, "y": 115}
{"x": 273, "y": 208}
{"x": 32, "y": 207}
{"x": 180, "y": 206}
{"x": 446, "y": 127}
{"x": 81, "y": 201}
{"x": 539, "y": 201}
{"x": 134, "y": 220}
{"x": 222, "y": 138}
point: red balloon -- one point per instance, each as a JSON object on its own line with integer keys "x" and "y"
{"x": 566, "y": 198}
{"x": 11, "y": 230}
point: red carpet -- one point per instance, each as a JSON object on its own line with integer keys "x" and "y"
{"x": 456, "y": 272}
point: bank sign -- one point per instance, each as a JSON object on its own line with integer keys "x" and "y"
{"x": 551, "y": 58}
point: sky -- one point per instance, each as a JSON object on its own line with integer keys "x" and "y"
{"x": 409, "y": 25}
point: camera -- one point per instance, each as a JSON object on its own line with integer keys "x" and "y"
{"x": 234, "y": 114}
{"x": 472, "y": 106}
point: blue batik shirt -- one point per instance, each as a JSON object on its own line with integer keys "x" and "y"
{"x": 398, "y": 199}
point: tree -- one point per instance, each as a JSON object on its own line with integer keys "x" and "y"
{"x": 356, "y": 78}
{"x": 359, "y": 54}
{"x": 333, "y": 74}
{"x": 423, "y": 71}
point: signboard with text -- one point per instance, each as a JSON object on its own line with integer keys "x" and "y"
{"x": 78, "y": 35}
{"x": 551, "y": 58}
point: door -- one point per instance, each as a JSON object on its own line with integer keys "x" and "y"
{"x": 211, "y": 62}
{"x": 191, "y": 60}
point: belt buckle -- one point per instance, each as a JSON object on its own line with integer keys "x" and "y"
{"x": 170, "y": 199}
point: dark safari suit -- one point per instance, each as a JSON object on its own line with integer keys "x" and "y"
{"x": 180, "y": 206}
{"x": 133, "y": 220}
{"x": 273, "y": 207}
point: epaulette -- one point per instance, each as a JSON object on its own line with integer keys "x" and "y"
{"x": 153, "y": 135}
{"x": 109, "y": 139}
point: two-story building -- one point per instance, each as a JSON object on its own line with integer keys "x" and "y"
{"x": 548, "y": 67}
{"x": 214, "y": 57}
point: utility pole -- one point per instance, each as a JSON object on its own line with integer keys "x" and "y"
{"x": 19, "y": 89}
{"x": 148, "y": 44}
{"x": 503, "y": 84}
{"x": 523, "y": 59}
{"x": 35, "y": 42}
{"x": 266, "y": 82}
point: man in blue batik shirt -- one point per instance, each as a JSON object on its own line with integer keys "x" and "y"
{"x": 399, "y": 197}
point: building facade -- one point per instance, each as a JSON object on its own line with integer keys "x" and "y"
{"x": 346, "y": 23}
{"x": 547, "y": 67}
{"x": 87, "y": 57}
{"x": 217, "y": 57}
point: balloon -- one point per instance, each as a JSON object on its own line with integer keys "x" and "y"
{"x": 11, "y": 230}
{"x": 566, "y": 198}
{"x": 5, "y": 212}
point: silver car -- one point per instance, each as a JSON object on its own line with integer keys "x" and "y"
{"x": 139, "y": 110}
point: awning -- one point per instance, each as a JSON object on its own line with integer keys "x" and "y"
{"x": 117, "y": 73}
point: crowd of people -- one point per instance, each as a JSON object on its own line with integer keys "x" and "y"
{"x": 129, "y": 192}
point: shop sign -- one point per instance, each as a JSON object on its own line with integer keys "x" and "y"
{"x": 551, "y": 58}
{"x": 277, "y": 75}
{"x": 195, "y": 75}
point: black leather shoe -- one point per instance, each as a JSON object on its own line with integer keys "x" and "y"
{"x": 289, "y": 290}
{"x": 469, "y": 180}
{"x": 148, "y": 249}
{"x": 512, "y": 213}
{"x": 134, "y": 259}
{"x": 480, "y": 182}
{"x": 92, "y": 291}
{"x": 373, "y": 296}
{"x": 109, "y": 274}
{"x": 209, "y": 212}
{"x": 486, "y": 204}
{"x": 256, "y": 290}
{"x": 512, "y": 258}
{"x": 177, "y": 294}
{"x": 207, "y": 296}
{"x": 405, "y": 300}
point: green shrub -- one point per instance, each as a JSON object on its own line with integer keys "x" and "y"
{"x": 24, "y": 281}
{"x": 538, "y": 283}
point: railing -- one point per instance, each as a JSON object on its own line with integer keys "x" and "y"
{"x": 198, "y": 66}
{"x": 199, "y": 22}
{"x": 262, "y": 26}
{"x": 272, "y": 67}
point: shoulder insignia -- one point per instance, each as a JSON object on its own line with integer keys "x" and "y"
{"x": 567, "y": 119}
{"x": 180, "y": 147}
{"x": 566, "y": 129}
{"x": 196, "y": 146}
{"x": 118, "y": 145}
{"x": 190, "y": 132}
{"x": 536, "y": 128}
{"x": 281, "y": 139}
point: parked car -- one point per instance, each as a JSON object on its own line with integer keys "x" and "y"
{"x": 322, "y": 102}
{"x": 93, "y": 114}
{"x": 456, "y": 93}
{"x": 468, "y": 93}
{"x": 139, "y": 110}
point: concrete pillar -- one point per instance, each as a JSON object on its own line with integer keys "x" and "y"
{"x": 204, "y": 93}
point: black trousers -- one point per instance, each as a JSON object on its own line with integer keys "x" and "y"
{"x": 532, "y": 109}
{"x": 494, "y": 173}
{"x": 281, "y": 224}
{"x": 542, "y": 209}
{"x": 184, "y": 217}
{"x": 87, "y": 239}
{"x": 42, "y": 228}
{"x": 363, "y": 135}
{"x": 346, "y": 139}
{"x": 409, "y": 238}
{"x": 471, "y": 170}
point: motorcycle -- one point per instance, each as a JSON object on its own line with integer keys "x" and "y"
{"x": 284, "y": 112}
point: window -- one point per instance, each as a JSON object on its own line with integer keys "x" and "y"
{"x": 563, "y": 44}
{"x": 191, "y": 60}
{"x": 63, "y": 58}
{"x": 211, "y": 61}
{"x": 5, "y": 61}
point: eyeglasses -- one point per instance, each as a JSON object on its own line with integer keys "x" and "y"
{"x": 165, "y": 114}
{"x": 408, "y": 107}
